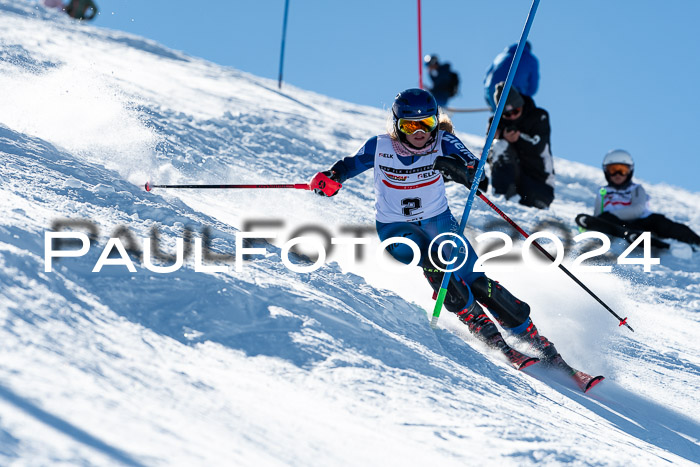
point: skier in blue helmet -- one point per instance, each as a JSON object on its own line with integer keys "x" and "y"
{"x": 411, "y": 162}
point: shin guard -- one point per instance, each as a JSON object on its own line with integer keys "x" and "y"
{"x": 508, "y": 310}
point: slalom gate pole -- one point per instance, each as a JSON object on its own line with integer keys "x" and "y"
{"x": 296, "y": 186}
{"x": 623, "y": 321}
{"x": 484, "y": 153}
{"x": 284, "y": 36}
{"x": 420, "y": 50}
{"x": 479, "y": 109}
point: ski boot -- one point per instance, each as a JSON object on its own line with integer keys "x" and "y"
{"x": 481, "y": 326}
{"x": 540, "y": 343}
{"x": 511, "y": 313}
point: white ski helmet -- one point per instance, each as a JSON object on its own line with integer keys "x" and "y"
{"x": 618, "y": 156}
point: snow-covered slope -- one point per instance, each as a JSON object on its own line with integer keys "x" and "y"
{"x": 265, "y": 366}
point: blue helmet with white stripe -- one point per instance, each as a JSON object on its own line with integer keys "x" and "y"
{"x": 414, "y": 103}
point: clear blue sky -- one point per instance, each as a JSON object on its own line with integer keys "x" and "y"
{"x": 614, "y": 74}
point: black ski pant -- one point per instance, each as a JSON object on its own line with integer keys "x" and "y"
{"x": 659, "y": 225}
{"x": 508, "y": 178}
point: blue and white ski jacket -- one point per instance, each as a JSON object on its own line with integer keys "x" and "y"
{"x": 407, "y": 188}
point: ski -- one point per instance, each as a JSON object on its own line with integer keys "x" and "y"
{"x": 582, "y": 380}
{"x": 519, "y": 360}
{"x": 589, "y": 222}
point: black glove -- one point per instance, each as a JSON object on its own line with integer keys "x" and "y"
{"x": 326, "y": 183}
{"x": 455, "y": 169}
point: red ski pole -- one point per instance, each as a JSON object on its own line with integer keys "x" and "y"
{"x": 296, "y": 186}
{"x": 319, "y": 182}
{"x": 623, "y": 321}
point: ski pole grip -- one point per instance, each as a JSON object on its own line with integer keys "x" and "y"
{"x": 323, "y": 183}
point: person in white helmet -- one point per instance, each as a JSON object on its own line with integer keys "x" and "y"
{"x": 624, "y": 203}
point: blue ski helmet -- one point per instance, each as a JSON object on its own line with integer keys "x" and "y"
{"x": 414, "y": 103}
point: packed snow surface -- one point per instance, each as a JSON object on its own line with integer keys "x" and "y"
{"x": 227, "y": 361}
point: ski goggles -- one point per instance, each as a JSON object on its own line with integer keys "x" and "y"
{"x": 409, "y": 127}
{"x": 617, "y": 169}
{"x": 513, "y": 113}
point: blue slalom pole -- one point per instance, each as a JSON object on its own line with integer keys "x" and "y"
{"x": 284, "y": 36}
{"x": 484, "y": 153}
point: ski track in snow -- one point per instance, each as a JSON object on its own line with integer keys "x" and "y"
{"x": 266, "y": 366}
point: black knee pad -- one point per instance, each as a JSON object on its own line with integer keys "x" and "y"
{"x": 454, "y": 300}
{"x": 508, "y": 310}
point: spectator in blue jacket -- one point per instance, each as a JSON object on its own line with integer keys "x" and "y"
{"x": 526, "y": 80}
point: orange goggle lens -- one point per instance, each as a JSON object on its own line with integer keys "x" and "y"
{"x": 614, "y": 169}
{"x": 409, "y": 127}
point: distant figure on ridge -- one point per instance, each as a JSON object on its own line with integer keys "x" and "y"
{"x": 81, "y": 9}
{"x": 621, "y": 207}
{"x": 445, "y": 81}
{"x": 527, "y": 78}
{"x": 521, "y": 157}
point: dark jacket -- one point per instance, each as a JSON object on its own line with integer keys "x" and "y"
{"x": 534, "y": 145}
{"x": 442, "y": 84}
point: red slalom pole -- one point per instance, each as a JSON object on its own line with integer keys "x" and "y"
{"x": 420, "y": 51}
{"x": 296, "y": 186}
{"x": 623, "y": 321}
